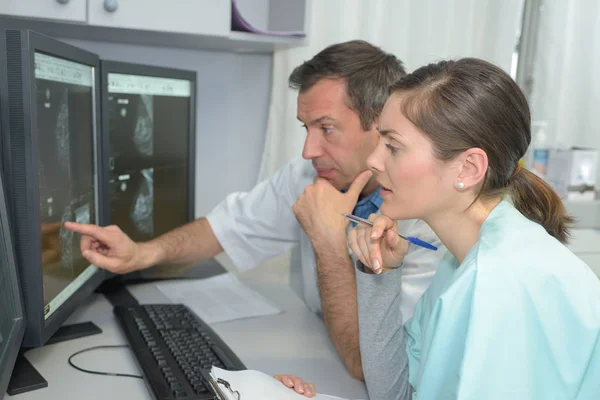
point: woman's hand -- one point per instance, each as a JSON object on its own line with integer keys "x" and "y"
{"x": 301, "y": 387}
{"x": 379, "y": 247}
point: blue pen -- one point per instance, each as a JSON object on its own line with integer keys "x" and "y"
{"x": 409, "y": 239}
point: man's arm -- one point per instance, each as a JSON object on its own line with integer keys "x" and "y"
{"x": 111, "y": 249}
{"x": 191, "y": 242}
{"x": 250, "y": 226}
{"x": 319, "y": 210}
{"x": 337, "y": 286}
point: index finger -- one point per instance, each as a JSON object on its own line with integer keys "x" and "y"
{"x": 380, "y": 225}
{"x": 94, "y": 231}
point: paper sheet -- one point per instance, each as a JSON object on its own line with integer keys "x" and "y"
{"x": 217, "y": 299}
{"x": 239, "y": 23}
{"x": 255, "y": 385}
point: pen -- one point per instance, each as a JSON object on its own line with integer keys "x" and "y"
{"x": 409, "y": 239}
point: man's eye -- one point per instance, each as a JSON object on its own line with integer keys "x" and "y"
{"x": 327, "y": 129}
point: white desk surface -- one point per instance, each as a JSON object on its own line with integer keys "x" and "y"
{"x": 293, "y": 342}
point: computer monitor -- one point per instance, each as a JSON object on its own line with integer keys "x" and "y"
{"x": 149, "y": 131}
{"x": 12, "y": 323}
{"x": 51, "y": 159}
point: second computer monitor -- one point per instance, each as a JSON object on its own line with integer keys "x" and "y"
{"x": 149, "y": 131}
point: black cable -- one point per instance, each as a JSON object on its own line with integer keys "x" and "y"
{"x": 101, "y": 372}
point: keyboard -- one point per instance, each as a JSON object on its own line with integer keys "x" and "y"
{"x": 174, "y": 348}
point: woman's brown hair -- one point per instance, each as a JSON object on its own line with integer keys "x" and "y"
{"x": 471, "y": 103}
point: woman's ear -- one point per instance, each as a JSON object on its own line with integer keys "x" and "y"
{"x": 474, "y": 165}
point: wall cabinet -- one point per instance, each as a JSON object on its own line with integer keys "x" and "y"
{"x": 178, "y": 23}
{"x": 60, "y": 10}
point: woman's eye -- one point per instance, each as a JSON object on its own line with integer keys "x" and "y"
{"x": 391, "y": 148}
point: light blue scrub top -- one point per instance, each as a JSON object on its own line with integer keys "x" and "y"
{"x": 518, "y": 319}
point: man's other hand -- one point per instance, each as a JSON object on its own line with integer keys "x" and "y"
{"x": 319, "y": 209}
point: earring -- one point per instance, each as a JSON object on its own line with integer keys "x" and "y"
{"x": 461, "y": 185}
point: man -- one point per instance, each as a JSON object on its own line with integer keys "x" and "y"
{"x": 341, "y": 92}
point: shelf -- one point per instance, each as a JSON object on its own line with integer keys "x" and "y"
{"x": 241, "y": 42}
{"x": 252, "y": 40}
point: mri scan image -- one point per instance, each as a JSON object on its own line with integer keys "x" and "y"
{"x": 66, "y": 241}
{"x": 143, "y": 206}
{"x": 62, "y": 133}
{"x": 144, "y": 126}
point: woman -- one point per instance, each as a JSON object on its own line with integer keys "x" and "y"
{"x": 511, "y": 313}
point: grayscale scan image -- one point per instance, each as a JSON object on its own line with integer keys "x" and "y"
{"x": 144, "y": 126}
{"x": 149, "y": 161}
{"x": 62, "y": 133}
{"x": 82, "y": 214}
{"x": 66, "y": 241}
{"x": 66, "y": 185}
{"x": 143, "y": 207}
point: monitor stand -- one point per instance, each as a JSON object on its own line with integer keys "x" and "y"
{"x": 26, "y": 378}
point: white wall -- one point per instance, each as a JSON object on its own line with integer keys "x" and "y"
{"x": 566, "y": 83}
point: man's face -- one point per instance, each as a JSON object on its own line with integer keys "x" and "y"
{"x": 335, "y": 141}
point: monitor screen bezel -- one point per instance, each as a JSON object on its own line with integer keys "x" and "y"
{"x": 39, "y": 329}
{"x": 12, "y": 343}
{"x": 118, "y": 67}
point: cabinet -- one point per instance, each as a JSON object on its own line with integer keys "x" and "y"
{"x": 199, "y": 24}
{"x": 195, "y": 17}
{"x": 62, "y": 10}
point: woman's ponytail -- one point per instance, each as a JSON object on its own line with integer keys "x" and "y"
{"x": 536, "y": 200}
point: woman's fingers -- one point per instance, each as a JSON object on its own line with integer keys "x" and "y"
{"x": 392, "y": 239}
{"x": 381, "y": 223}
{"x": 363, "y": 243}
{"x": 311, "y": 390}
{"x": 353, "y": 241}
{"x": 285, "y": 379}
{"x": 376, "y": 236}
{"x": 379, "y": 246}
{"x": 299, "y": 386}
{"x": 375, "y": 255}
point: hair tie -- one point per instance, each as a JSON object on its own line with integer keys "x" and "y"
{"x": 516, "y": 171}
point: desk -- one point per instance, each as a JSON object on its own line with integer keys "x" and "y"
{"x": 293, "y": 342}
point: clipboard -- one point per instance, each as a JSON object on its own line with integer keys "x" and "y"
{"x": 220, "y": 388}
{"x": 251, "y": 385}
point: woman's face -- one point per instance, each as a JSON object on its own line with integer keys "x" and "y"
{"x": 415, "y": 184}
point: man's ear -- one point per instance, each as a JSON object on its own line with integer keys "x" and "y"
{"x": 474, "y": 165}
